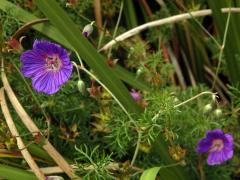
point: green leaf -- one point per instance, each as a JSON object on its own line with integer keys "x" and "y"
{"x": 129, "y": 13}
{"x": 150, "y": 174}
{"x": 12, "y": 173}
{"x": 39, "y": 152}
{"x": 51, "y": 32}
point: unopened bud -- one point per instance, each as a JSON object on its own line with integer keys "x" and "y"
{"x": 139, "y": 72}
{"x": 88, "y": 29}
{"x": 207, "y": 108}
{"x": 175, "y": 100}
{"x": 81, "y": 86}
{"x": 218, "y": 113}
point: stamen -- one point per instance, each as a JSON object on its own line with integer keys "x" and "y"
{"x": 217, "y": 145}
{"x": 53, "y": 63}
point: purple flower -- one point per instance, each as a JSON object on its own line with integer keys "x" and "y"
{"x": 136, "y": 95}
{"x": 48, "y": 65}
{"x": 218, "y": 145}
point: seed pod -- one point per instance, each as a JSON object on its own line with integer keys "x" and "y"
{"x": 81, "y": 86}
{"x": 88, "y": 29}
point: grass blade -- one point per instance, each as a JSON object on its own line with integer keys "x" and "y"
{"x": 11, "y": 173}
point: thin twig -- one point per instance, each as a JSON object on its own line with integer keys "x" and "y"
{"x": 214, "y": 76}
{"x": 164, "y": 21}
{"x": 195, "y": 97}
{"x": 98, "y": 14}
{"x": 27, "y": 156}
{"x": 222, "y": 46}
{"x": 117, "y": 25}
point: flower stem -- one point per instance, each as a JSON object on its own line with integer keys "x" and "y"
{"x": 137, "y": 147}
{"x": 194, "y": 97}
{"x": 222, "y": 46}
{"x": 116, "y": 27}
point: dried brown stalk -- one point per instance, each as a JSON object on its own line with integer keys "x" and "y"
{"x": 146, "y": 7}
{"x": 27, "y": 156}
{"x": 98, "y": 15}
{"x": 34, "y": 129}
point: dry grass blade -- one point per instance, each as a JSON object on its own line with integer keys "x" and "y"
{"x": 34, "y": 129}
{"x": 160, "y": 22}
{"x": 27, "y": 156}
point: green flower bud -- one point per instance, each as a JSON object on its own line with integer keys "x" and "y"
{"x": 207, "y": 108}
{"x": 139, "y": 72}
{"x": 218, "y": 113}
{"x": 81, "y": 86}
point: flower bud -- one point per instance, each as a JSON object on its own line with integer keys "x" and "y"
{"x": 175, "y": 100}
{"x": 218, "y": 113}
{"x": 81, "y": 86}
{"x": 139, "y": 72}
{"x": 88, "y": 29}
{"x": 207, "y": 108}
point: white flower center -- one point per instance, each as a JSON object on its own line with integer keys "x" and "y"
{"x": 217, "y": 145}
{"x": 53, "y": 63}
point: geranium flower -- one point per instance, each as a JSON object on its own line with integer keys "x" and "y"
{"x": 218, "y": 145}
{"x": 48, "y": 65}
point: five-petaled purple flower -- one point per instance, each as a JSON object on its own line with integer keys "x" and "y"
{"x": 218, "y": 145}
{"x": 48, "y": 65}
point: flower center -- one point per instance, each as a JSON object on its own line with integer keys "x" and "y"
{"x": 53, "y": 63}
{"x": 217, "y": 145}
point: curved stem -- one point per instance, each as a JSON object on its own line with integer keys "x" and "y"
{"x": 182, "y": 103}
{"x": 26, "y": 26}
{"x": 194, "y": 97}
{"x": 137, "y": 147}
{"x": 76, "y": 66}
{"x": 222, "y": 47}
